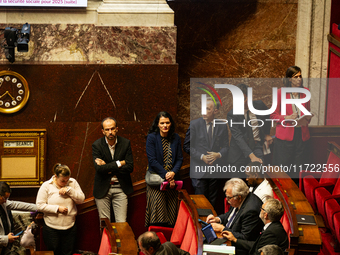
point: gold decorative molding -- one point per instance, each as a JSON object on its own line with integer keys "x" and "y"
{"x": 23, "y": 156}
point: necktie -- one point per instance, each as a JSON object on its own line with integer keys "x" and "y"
{"x": 250, "y": 133}
{"x": 232, "y": 218}
{"x": 4, "y": 220}
{"x": 210, "y": 134}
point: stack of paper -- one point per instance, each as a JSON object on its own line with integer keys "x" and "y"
{"x": 219, "y": 249}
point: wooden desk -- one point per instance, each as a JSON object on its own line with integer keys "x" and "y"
{"x": 201, "y": 202}
{"x": 295, "y": 202}
{"x": 121, "y": 237}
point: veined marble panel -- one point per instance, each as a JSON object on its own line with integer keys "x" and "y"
{"x": 90, "y": 43}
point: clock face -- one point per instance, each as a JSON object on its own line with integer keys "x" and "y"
{"x": 14, "y": 92}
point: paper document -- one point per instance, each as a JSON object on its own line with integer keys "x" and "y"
{"x": 220, "y": 249}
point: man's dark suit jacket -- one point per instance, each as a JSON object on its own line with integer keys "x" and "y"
{"x": 154, "y": 151}
{"x": 199, "y": 143}
{"x": 168, "y": 248}
{"x": 274, "y": 234}
{"x": 238, "y": 143}
{"x": 105, "y": 172}
{"x": 246, "y": 225}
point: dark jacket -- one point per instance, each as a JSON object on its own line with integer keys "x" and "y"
{"x": 105, "y": 172}
{"x": 246, "y": 225}
{"x": 274, "y": 234}
{"x": 154, "y": 151}
{"x": 239, "y": 146}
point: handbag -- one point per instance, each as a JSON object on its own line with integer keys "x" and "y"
{"x": 153, "y": 179}
{"x": 166, "y": 185}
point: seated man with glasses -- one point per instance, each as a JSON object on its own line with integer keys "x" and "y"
{"x": 6, "y": 220}
{"x": 242, "y": 219}
{"x": 272, "y": 233}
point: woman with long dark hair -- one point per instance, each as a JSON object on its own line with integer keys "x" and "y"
{"x": 291, "y": 138}
{"x": 164, "y": 152}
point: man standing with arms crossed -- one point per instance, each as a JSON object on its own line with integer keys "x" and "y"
{"x": 113, "y": 161}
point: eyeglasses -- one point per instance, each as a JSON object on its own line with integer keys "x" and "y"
{"x": 228, "y": 198}
{"x": 263, "y": 209}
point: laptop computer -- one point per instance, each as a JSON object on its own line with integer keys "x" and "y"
{"x": 211, "y": 237}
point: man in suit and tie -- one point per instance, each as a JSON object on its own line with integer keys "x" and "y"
{"x": 248, "y": 134}
{"x": 113, "y": 161}
{"x": 242, "y": 219}
{"x": 6, "y": 220}
{"x": 273, "y": 231}
{"x": 208, "y": 146}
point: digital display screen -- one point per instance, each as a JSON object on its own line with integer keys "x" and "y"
{"x": 209, "y": 233}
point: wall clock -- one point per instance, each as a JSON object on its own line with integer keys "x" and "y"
{"x": 14, "y": 92}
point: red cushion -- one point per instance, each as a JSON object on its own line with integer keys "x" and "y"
{"x": 328, "y": 244}
{"x": 105, "y": 246}
{"x": 181, "y": 224}
{"x": 189, "y": 238}
{"x": 337, "y": 226}
{"x": 161, "y": 237}
{"x": 310, "y": 183}
{"x": 226, "y": 205}
{"x": 167, "y": 232}
{"x": 331, "y": 175}
{"x": 332, "y": 207}
{"x": 321, "y": 195}
{"x": 336, "y": 190}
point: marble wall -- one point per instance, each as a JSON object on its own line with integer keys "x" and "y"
{"x": 240, "y": 39}
{"x": 98, "y": 44}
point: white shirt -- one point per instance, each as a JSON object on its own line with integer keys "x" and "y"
{"x": 263, "y": 190}
{"x": 112, "y": 151}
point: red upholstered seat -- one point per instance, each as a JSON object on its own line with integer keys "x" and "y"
{"x": 105, "y": 246}
{"x": 176, "y": 233}
{"x": 189, "y": 242}
{"x": 161, "y": 237}
{"x": 328, "y": 244}
{"x": 180, "y": 225}
{"x": 284, "y": 220}
{"x": 332, "y": 207}
{"x": 226, "y": 205}
{"x": 336, "y": 222}
{"x": 323, "y": 194}
{"x": 327, "y": 179}
{"x": 164, "y": 230}
{"x": 184, "y": 234}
